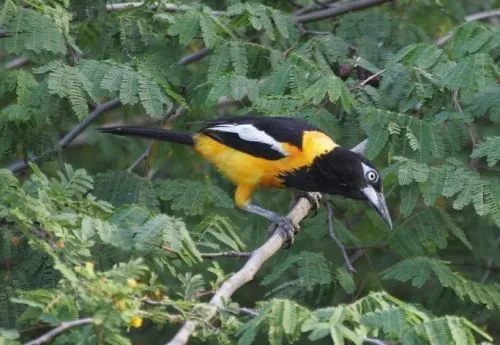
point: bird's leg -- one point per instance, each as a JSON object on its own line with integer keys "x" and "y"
{"x": 280, "y": 222}
{"x": 334, "y": 237}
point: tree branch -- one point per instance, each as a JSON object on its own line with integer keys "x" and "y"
{"x": 68, "y": 138}
{"x": 258, "y": 257}
{"x": 339, "y": 9}
{"x": 215, "y": 255}
{"x": 16, "y": 62}
{"x": 64, "y": 326}
{"x": 20, "y": 165}
{"x": 470, "y": 18}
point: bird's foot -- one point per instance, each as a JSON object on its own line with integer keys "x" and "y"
{"x": 287, "y": 229}
{"x": 314, "y": 199}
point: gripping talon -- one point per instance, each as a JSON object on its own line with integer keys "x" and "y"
{"x": 314, "y": 199}
{"x": 287, "y": 227}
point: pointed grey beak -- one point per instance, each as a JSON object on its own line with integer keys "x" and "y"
{"x": 377, "y": 200}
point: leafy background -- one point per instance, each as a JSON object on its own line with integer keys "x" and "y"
{"x": 84, "y": 231}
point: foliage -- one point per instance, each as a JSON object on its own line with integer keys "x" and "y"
{"x": 82, "y": 238}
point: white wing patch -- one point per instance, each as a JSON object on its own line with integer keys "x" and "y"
{"x": 248, "y": 132}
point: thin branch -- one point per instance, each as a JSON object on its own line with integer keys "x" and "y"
{"x": 68, "y": 138}
{"x": 489, "y": 264}
{"x": 64, "y": 326}
{"x": 337, "y": 10}
{"x": 375, "y": 341}
{"x": 258, "y": 257}
{"x": 142, "y": 157}
{"x": 196, "y": 56}
{"x": 248, "y": 311}
{"x": 20, "y": 165}
{"x": 367, "y": 80}
{"x": 230, "y": 254}
{"x": 350, "y": 267}
{"x": 470, "y": 18}
{"x": 16, "y": 62}
{"x": 124, "y": 6}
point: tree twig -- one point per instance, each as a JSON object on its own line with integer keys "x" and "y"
{"x": 470, "y": 18}
{"x": 16, "y": 62}
{"x": 331, "y": 232}
{"x": 339, "y": 9}
{"x": 229, "y": 254}
{"x": 71, "y": 135}
{"x": 20, "y": 165}
{"x": 64, "y": 326}
{"x": 367, "y": 80}
{"x": 258, "y": 257}
{"x": 489, "y": 264}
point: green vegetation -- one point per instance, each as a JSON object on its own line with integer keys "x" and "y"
{"x": 114, "y": 240}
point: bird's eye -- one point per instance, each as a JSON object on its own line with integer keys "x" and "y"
{"x": 372, "y": 176}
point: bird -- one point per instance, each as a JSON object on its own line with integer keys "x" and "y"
{"x": 276, "y": 152}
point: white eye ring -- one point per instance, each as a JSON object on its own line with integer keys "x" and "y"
{"x": 372, "y": 176}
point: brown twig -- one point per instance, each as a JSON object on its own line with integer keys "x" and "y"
{"x": 258, "y": 257}
{"x": 64, "y": 326}
{"x": 337, "y": 10}
{"x": 470, "y": 18}
{"x": 489, "y": 264}
{"x": 20, "y": 165}
{"x": 474, "y": 161}
{"x": 367, "y": 80}
{"x": 230, "y": 254}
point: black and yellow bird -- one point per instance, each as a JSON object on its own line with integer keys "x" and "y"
{"x": 276, "y": 152}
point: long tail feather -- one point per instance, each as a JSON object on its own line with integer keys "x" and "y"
{"x": 151, "y": 133}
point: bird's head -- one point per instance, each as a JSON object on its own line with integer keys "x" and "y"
{"x": 347, "y": 173}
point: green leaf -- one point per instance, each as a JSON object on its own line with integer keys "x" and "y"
{"x": 186, "y": 26}
{"x": 191, "y": 197}
{"x": 208, "y": 30}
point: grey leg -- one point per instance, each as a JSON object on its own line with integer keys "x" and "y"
{"x": 279, "y": 221}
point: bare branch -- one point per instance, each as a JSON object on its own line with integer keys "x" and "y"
{"x": 248, "y": 311}
{"x": 64, "y": 326}
{"x": 489, "y": 264}
{"x": 215, "y": 255}
{"x": 16, "y": 62}
{"x": 124, "y": 6}
{"x": 339, "y": 9}
{"x": 367, "y": 80}
{"x": 20, "y": 165}
{"x": 258, "y": 257}
{"x": 375, "y": 341}
{"x": 231, "y": 254}
{"x": 470, "y": 18}
{"x": 68, "y": 138}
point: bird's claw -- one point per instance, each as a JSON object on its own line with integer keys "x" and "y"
{"x": 314, "y": 199}
{"x": 287, "y": 229}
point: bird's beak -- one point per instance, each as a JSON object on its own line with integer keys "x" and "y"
{"x": 377, "y": 200}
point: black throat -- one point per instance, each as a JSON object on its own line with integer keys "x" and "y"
{"x": 335, "y": 173}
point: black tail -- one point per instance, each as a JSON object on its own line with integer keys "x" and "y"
{"x": 151, "y": 133}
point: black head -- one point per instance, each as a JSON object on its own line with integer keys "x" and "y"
{"x": 343, "y": 172}
{"x": 350, "y": 174}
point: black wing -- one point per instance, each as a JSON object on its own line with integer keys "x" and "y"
{"x": 258, "y": 136}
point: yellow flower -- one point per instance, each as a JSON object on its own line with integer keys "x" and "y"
{"x": 132, "y": 282}
{"x": 89, "y": 266}
{"x": 120, "y": 305}
{"x": 135, "y": 321}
